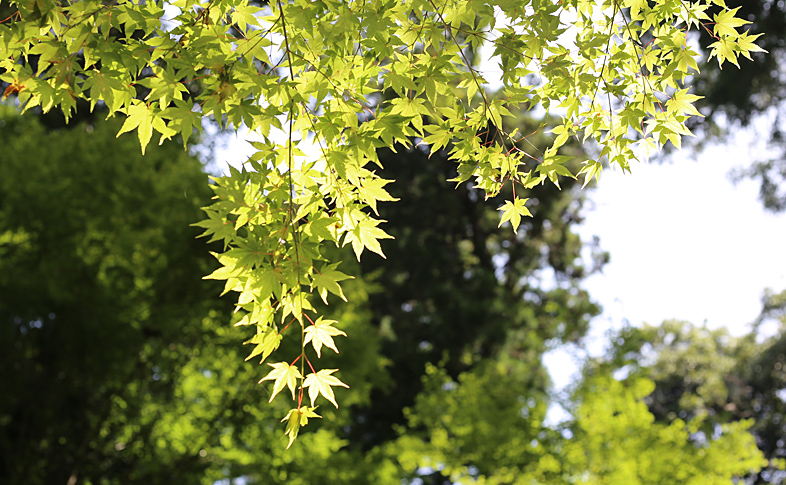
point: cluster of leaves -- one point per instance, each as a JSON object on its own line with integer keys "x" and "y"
{"x": 352, "y": 77}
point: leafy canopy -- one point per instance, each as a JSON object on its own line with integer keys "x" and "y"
{"x": 349, "y": 77}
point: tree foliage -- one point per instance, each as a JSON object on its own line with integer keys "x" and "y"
{"x": 350, "y": 78}
{"x": 101, "y": 304}
{"x": 612, "y": 439}
{"x": 714, "y": 379}
{"x": 183, "y": 403}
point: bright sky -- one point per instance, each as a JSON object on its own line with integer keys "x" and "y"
{"x": 685, "y": 243}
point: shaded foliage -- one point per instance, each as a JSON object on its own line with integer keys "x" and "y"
{"x": 101, "y": 296}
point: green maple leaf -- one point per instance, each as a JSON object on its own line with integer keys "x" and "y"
{"x": 183, "y": 119}
{"x": 266, "y": 342}
{"x": 217, "y": 227}
{"x": 296, "y": 418}
{"x": 440, "y": 137}
{"x": 746, "y": 45}
{"x": 104, "y": 85}
{"x": 724, "y": 51}
{"x": 725, "y": 23}
{"x": 636, "y": 6}
{"x": 320, "y": 383}
{"x": 322, "y": 333}
{"x": 552, "y": 167}
{"x": 512, "y": 211}
{"x": 366, "y": 234}
{"x": 284, "y": 375}
{"x": 142, "y": 118}
{"x": 371, "y": 191}
{"x": 139, "y": 117}
{"x": 228, "y": 268}
{"x": 681, "y": 103}
{"x": 327, "y": 280}
{"x": 591, "y": 169}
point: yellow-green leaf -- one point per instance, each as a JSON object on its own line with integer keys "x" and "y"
{"x": 322, "y": 382}
{"x": 322, "y": 333}
{"x": 284, "y": 375}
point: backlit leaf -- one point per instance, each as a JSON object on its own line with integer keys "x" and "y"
{"x": 322, "y": 382}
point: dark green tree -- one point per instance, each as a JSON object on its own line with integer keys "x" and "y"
{"x": 101, "y": 299}
{"x": 118, "y": 361}
{"x": 458, "y": 290}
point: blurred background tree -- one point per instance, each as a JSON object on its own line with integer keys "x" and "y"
{"x": 712, "y": 378}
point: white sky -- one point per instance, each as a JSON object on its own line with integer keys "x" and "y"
{"x": 685, "y": 242}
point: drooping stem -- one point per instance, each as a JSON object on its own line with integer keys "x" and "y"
{"x": 295, "y": 230}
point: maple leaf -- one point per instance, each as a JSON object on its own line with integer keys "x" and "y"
{"x": 636, "y": 6}
{"x": 681, "y": 103}
{"x": 322, "y": 333}
{"x": 746, "y": 44}
{"x": 139, "y": 117}
{"x": 725, "y": 23}
{"x": 367, "y": 234}
{"x": 266, "y": 342}
{"x": 371, "y": 191}
{"x": 512, "y": 211}
{"x": 723, "y": 50}
{"x": 284, "y": 375}
{"x": 591, "y": 169}
{"x": 183, "y": 118}
{"x": 296, "y": 418}
{"x": 142, "y": 117}
{"x": 327, "y": 280}
{"x": 320, "y": 383}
